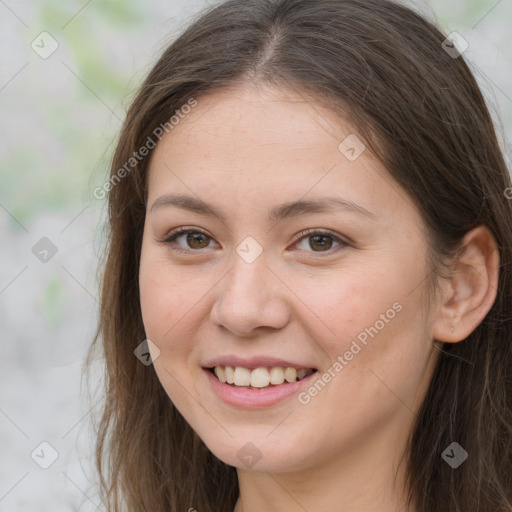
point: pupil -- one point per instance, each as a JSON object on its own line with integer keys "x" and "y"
{"x": 192, "y": 238}
{"x": 321, "y": 245}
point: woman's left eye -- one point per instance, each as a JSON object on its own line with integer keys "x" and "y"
{"x": 319, "y": 240}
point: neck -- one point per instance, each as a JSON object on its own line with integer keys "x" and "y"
{"x": 365, "y": 478}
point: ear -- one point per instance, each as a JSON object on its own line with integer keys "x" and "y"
{"x": 471, "y": 291}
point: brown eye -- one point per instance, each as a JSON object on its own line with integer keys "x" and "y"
{"x": 193, "y": 240}
{"x": 320, "y": 241}
{"x": 197, "y": 240}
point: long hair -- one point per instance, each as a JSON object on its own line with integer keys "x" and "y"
{"x": 387, "y": 71}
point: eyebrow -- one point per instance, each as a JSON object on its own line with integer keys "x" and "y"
{"x": 278, "y": 213}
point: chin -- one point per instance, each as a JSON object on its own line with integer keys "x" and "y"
{"x": 266, "y": 455}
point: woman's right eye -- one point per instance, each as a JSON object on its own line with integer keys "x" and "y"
{"x": 194, "y": 239}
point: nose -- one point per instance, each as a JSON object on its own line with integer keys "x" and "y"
{"x": 250, "y": 297}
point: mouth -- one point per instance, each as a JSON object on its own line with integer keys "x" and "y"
{"x": 261, "y": 377}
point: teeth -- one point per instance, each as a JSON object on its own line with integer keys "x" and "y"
{"x": 276, "y": 375}
{"x": 221, "y": 374}
{"x": 301, "y": 373}
{"x": 260, "y": 377}
{"x": 242, "y": 376}
{"x": 290, "y": 374}
{"x": 230, "y": 374}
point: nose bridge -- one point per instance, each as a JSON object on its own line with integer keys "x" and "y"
{"x": 248, "y": 281}
{"x": 249, "y": 269}
{"x": 248, "y": 296}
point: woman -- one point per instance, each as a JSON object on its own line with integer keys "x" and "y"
{"x": 310, "y": 240}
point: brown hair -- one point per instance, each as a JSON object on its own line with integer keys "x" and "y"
{"x": 384, "y": 69}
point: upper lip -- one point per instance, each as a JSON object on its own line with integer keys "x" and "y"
{"x": 253, "y": 362}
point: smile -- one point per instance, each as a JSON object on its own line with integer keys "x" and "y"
{"x": 261, "y": 377}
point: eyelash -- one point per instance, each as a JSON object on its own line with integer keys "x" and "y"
{"x": 175, "y": 233}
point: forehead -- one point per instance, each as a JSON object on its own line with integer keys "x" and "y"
{"x": 249, "y": 117}
{"x": 249, "y": 144}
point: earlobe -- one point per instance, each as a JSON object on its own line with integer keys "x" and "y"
{"x": 472, "y": 288}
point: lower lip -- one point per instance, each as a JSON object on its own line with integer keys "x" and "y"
{"x": 250, "y": 398}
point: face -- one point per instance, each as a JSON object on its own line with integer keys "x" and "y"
{"x": 260, "y": 279}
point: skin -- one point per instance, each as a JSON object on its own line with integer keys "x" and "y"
{"x": 245, "y": 151}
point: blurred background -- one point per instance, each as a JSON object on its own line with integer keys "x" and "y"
{"x": 68, "y": 71}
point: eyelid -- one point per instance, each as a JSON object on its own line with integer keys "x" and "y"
{"x": 184, "y": 229}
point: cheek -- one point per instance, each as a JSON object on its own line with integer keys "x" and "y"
{"x": 173, "y": 302}
{"x": 166, "y": 311}
{"x": 158, "y": 299}
{"x": 350, "y": 300}
{"x": 371, "y": 319}
{"x": 163, "y": 297}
